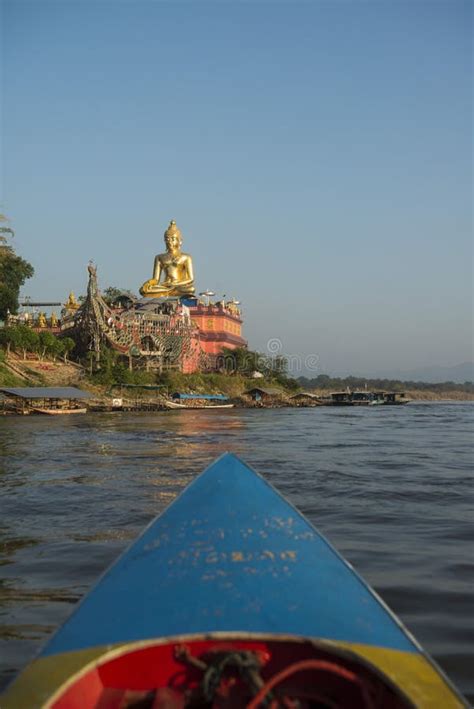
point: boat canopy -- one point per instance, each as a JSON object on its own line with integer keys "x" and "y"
{"x": 308, "y": 394}
{"x": 149, "y": 387}
{"x": 46, "y": 392}
{"x": 267, "y": 391}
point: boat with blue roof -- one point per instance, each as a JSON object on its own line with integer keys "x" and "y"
{"x": 199, "y": 401}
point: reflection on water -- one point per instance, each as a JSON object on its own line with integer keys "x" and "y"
{"x": 390, "y": 486}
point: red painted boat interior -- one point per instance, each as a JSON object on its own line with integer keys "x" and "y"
{"x": 229, "y": 674}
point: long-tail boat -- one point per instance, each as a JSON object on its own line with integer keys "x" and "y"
{"x": 231, "y": 598}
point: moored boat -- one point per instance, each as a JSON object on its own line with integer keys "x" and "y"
{"x": 176, "y": 405}
{"x": 365, "y": 398}
{"x": 231, "y": 598}
{"x": 52, "y": 401}
{"x": 199, "y": 401}
{"x": 58, "y": 412}
{"x": 396, "y": 398}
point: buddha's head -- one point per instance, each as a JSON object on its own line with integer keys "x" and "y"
{"x": 173, "y": 239}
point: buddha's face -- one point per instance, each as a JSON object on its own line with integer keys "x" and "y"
{"x": 173, "y": 242}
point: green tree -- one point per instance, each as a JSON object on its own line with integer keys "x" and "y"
{"x": 14, "y": 271}
{"x": 104, "y": 373}
{"x": 241, "y": 360}
{"x": 4, "y": 229}
{"x": 46, "y": 343}
{"x": 56, "y": 349}
{"x": 68, "y": 345}
{"x": 117, "y": 296}
{"x": 28, "y": 340}
{"x": 10, "y": 338}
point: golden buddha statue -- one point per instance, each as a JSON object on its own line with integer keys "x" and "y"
{"x": 71, "y": 304}
{"x": 176, "y": 267}
{"x": 42, "y": 320}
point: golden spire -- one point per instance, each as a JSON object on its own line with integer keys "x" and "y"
{"x": 172, "y": 230}
{"x": 71, "y": 303}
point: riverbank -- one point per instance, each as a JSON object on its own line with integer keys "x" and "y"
{"x": 235, "y": 385}
{"x": 15, "y": 372}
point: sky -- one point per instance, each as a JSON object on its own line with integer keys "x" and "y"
{"x": 317, "y": 157}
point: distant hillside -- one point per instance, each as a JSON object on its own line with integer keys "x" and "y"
{"x": 414, "y": 389}
{"x": 459, "y": 374}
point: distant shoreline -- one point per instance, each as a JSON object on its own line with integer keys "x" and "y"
{"x": 434, "y": 396}
{"x": 423, "y": 395}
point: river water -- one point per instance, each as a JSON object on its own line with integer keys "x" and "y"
{"x": 391, "y": 487}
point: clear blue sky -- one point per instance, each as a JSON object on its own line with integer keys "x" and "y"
{"x": 316, "y": 155}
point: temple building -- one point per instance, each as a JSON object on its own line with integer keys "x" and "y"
{"x": 219, "y": 324}
{"x": 168, "y": 328}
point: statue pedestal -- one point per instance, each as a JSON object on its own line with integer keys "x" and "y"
{"x": 163, "y": 305}
{"x": 190, "y": 301}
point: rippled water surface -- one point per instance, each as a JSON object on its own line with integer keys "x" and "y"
{"x": 391, "y": 487}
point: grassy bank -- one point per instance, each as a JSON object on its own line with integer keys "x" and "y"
{"x": 8, "y": 379}
{"x": 16, "y": 373}
{"x": 232, "y": 385}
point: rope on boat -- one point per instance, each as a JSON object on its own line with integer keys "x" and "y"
{"x": 331, "y": 667}
{"x": 247, "y": 663}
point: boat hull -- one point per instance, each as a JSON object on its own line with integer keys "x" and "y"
{"x": 175, "y": 405}
{"x": 230, "y": 564}
{"x": 57, "y": 412}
